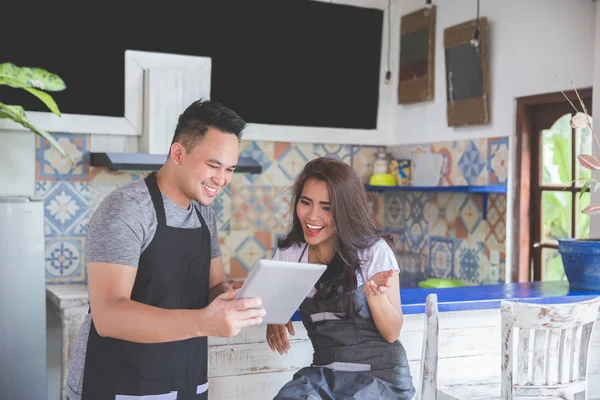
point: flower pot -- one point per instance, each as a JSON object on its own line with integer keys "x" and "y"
{"x": 581, "y": 259}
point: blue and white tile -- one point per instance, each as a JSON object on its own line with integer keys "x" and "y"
{"x": 306, "y": 149}
{"x": 417, "y": 236}
{"x": 498, "y": 153}
{"x": 52, "y": 165}
{"x": 441, "y": 257}
{"x": 256, "y": 207}
{"x": 65, "y": 209}
{"x": 292, "y": 162}
{"x": 472, "y": 164}
{"x": 43, "y": 187}
{"x": 435, "y": 216}
{"x": 104, "y": 182}
{"x": 65, "y": 259}
{"x": 470, "y": 262}
{"x": 222, "y": 209}
{"x": 249, "y": 252}
{"x": 395, "y": 209}
{"x": 341, "y": 152}
{"x": 284, "y": 209}
{"x": 470, "y": 214}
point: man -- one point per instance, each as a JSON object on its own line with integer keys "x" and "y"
{"x": 156, "y": 279}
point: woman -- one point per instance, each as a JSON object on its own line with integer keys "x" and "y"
{"x": 353, "y": 315}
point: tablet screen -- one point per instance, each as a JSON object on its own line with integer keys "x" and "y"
{"x": 281, "y": 285}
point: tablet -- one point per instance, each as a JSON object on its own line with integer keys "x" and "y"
{"x": 281, "y": 285}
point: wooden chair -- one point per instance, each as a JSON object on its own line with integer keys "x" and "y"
{"x": 429, "y": 353}
{"x": 551, "y": 358}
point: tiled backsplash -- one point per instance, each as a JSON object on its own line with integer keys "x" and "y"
{"x": 251, "y": 213}
{"x": 445, "y": 234}
{"x": 437, "y": 234}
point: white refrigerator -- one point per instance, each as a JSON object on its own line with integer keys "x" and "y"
{"x": 22, "y": 299}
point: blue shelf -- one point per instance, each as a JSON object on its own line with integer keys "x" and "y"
{"x": 457, "y": 189}
{"x": 483, "y": 190}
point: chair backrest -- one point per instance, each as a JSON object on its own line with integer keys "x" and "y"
{"x": 552, "y": 347}
{"x": 429, "y": 356}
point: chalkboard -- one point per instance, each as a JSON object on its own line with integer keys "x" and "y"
{"x": 467, "y": 79}
{"x": 284, "y": 62}
{"x": 416, "y": 75}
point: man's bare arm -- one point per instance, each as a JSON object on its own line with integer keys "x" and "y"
{"x": 116, "y": 315}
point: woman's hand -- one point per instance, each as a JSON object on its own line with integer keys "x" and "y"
{"x": 379, "y": 283}
{"x": 277, "y": 337}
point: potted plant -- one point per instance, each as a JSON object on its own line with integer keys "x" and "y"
{"x": 581, "y": 257}
{"x": 36, "y": 81}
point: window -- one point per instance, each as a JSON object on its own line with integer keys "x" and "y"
{"x": 556, "y": 187}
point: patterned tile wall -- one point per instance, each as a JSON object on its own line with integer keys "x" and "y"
{"x": 436, "y": 234}
{"x": 252, "y": 213}
{"x": 446, "y": 234}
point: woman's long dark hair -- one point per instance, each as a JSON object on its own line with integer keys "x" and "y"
{"x": 353, "y": 227}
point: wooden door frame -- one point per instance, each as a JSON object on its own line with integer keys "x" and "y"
{"x": 521, "y": 218}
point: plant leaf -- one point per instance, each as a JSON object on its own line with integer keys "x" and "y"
{"x": 562, "y": 156}
{"x": 7, "y": 111}
{"x": 46, "y": 99}
{"x": 591, "y": 209}
{"x": 43, "y": 96}
{"x": 32, "y": 77}
{"x": 555, "y": 271}
{"x": 588, "y": 161}
{"x": 12, "y": 82}
{"x": 17, "y": 114}
{"x": 585, "y": 187}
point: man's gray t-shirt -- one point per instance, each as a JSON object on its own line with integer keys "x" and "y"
{"x": 119, "y": 231}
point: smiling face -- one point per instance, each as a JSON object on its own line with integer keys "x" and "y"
{"x": 314, "y": 212}
{"x": 208, "y": 167}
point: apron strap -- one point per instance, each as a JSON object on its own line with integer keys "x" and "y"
{"x": 303, "y": 251}
{"x": 157, "y": 200}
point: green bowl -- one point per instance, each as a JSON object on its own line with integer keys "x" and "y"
{"x": 383, "y": 180}
{"x": 438, "y": 283}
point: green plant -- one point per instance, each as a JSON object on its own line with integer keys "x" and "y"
{"x": 557, "y": 205}
{"x": 35, "y": 81}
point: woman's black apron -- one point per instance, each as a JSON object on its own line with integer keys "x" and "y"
{"x": 350, "y": 361}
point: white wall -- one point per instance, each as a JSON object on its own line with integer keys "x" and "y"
{"x": 532, "y": 45}
{"x": 528, "y": 41}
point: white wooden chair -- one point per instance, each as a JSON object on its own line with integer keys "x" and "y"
{"x": 551, "y": 358}
{"x": 429, "y": 354}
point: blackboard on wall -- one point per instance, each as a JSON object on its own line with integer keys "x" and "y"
{"x": 284, "y": 62}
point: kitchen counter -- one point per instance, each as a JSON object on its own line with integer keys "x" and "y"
{"x": 243, "y": 367}
{"x": 489, "y": 296}
{"x": 71, "y": 303}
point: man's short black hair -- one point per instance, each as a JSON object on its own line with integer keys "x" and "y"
{"x": 201, "y": 115}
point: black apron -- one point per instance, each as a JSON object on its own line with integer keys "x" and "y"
{"x": 173, "y": 273}
{"x": 350, "y": 361}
